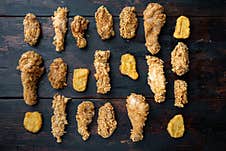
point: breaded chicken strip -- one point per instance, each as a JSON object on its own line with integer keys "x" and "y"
{"x": 180, "y": 93}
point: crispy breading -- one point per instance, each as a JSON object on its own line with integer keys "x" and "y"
{"x": 33, "y": 121}
{"x": 84, "y": 116}
{"x": 138, "y": 110}
{"x": 80, "y": 79}
{"x": 176, "y": 126}
{"x": 106, "y": 120}
{"x": 78, "y": 27}
{"x": 180, "y": 93}
{"x": 182, "y": 29}
{"x": 156, "y": 78}
{"x": 58, "y": 73}
{"x": 154, "y": 19}
{"x": 32, "y": 29}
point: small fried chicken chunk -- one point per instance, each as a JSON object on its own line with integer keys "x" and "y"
{"x": 182, "y": 29}
{"x": 31, "y": 67}
{"x": 180, "y": 59}
{"x": 180, "y": 93}
{"x": 78, "y": 27}
{"x": 33, "y": 121}
{"x": 104, "y": 23}
{"x": 32, "y": 29}
{"x": 138, "y": 110}
{"x": 176, "y": 126}
{"x": 58, "y": 118}
{"x": 128, "y": 22}
{"x": 57, "y": 73}
{"x": 106, "y": 120}
{"x": 84, "y": 116}
{"x": 60, "y": 27}
{"x": 154, "y": 19}
{"x": 156, "y": 78}
{"x": 80, "y": 79}
{"x": 128, "y": 66}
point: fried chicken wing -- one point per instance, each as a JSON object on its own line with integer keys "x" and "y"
{"x": 180, "y": 93}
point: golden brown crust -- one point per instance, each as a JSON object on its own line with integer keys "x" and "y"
{"x": 176, "y": 126}
{"x": 182, "y": 29}
{"x": 33, "y": 121}
{"x": 180, "y": 93}
{"x": 80, "y": 79}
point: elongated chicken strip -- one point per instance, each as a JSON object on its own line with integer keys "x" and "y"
{"x": 180, "y": 93}
{"x": 138, "y": 110}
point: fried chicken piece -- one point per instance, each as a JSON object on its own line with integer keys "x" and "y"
{"x": 57, "y": 73}
{"x": 106, "y": 120}
{"x": 33, "y": 121}
{"x": 58, "y": 118}
{"x": 102, "y": 68}
{"x": 180, "y": 59}
{"x": 154, "y": 19}
{"x": 104, "y": 23}
{"x": 60, "y": 27}
{"x": 78, "y": 27}
{"x": 31, "y": 67}
{"x": 32, "y": 29}
{"x": 180, "y": 93}
{"x": 80, "y": 79}
{"x": 182, "y": 29}
{"x": 138, "y": 110}
{"x": 176, "y": 126}
{"x": 85, "y": 113}
{"x": 156, "y": 78}
{"x": 128, "y": 22}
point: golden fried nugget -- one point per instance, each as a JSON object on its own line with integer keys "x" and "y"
{"x": 80, "y": 79}
{"x": 176, "y": 126}
{"x": 104, "y": 23}
{"x": 180, "y": 93}
{"x": 138, "y": 110}
{"x": 60, "y": 27}
{"x": 78, "y": 27}
{"x": 154, "y": 19}
{"x": 156, "y": 78}
{"x": 33, "y": 121}
{"x": 84, "y": 116}
{"x": 128, "y": 22}
{"x": 128, "y": 66}
{"x": 106, "y": 120}
{"x": 182, "y": 29}
{"x": 32, "y": 29}
{"x": 58, "y": 73}
{"x": 180, "y": 59}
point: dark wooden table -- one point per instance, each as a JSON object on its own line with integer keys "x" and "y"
{"x": 204, "y": 116}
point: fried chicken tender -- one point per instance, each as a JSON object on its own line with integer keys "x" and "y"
{"x": 58, "y": 118}
{"x": 182, "y": 29}
{"x": 33, "y": 121}
{"x": 128, "y": 22}
{"x": 78, "y": 27}
{"x": 128, "y": 66}
{"x": 102, "y": 68}
{"x": 80, "y": 79}
{"x": 60, "y": 27}
{"x": 32, "y": 29}
{"x": 106, "y": 120}
{"x": 31, "y": 67}
{"x": 156, "y": 78}
{"x": 180, "y": 93}
{"x": 84, "y": 116}
{"x": 57, "y": 73}
{"x": 180, "y": 59}
{"x": 138, "y": 110}
{"x": 176, "y": 126}
{"x": 104, "y": 23}
{"x": 154, "y": 19}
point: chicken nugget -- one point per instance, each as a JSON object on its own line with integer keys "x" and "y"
{"x": 33, "y": 121}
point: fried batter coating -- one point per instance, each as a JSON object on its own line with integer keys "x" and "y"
{"x": 180, "y": 93}
{"x": 104, "y": 23}
{"x": 32, "y": 29}
{"x": 78, "y": 27}
{"x": 33, "y": 121}
{"x": 57, "y": 73}
{"x": 102, "y": 68}
{"x": 182, "y": 29}
{"x": 156, "y": 78}
{"x": 31, "y": 67}
{"x": 128, "y": 22}
{"x": 106, "y": 120}
{"x": 180, "y": 59}
{"x": 58, "y": 118}
{"x": 80, "y": 79}
{"x": 128, "y": 66}
{"x": 176, "y": 126}
{"x": 84, "y": 116}
{"x": 60, "y": 27}
{"x": 138, "y": 110}
{"x": 154, "y": 19}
